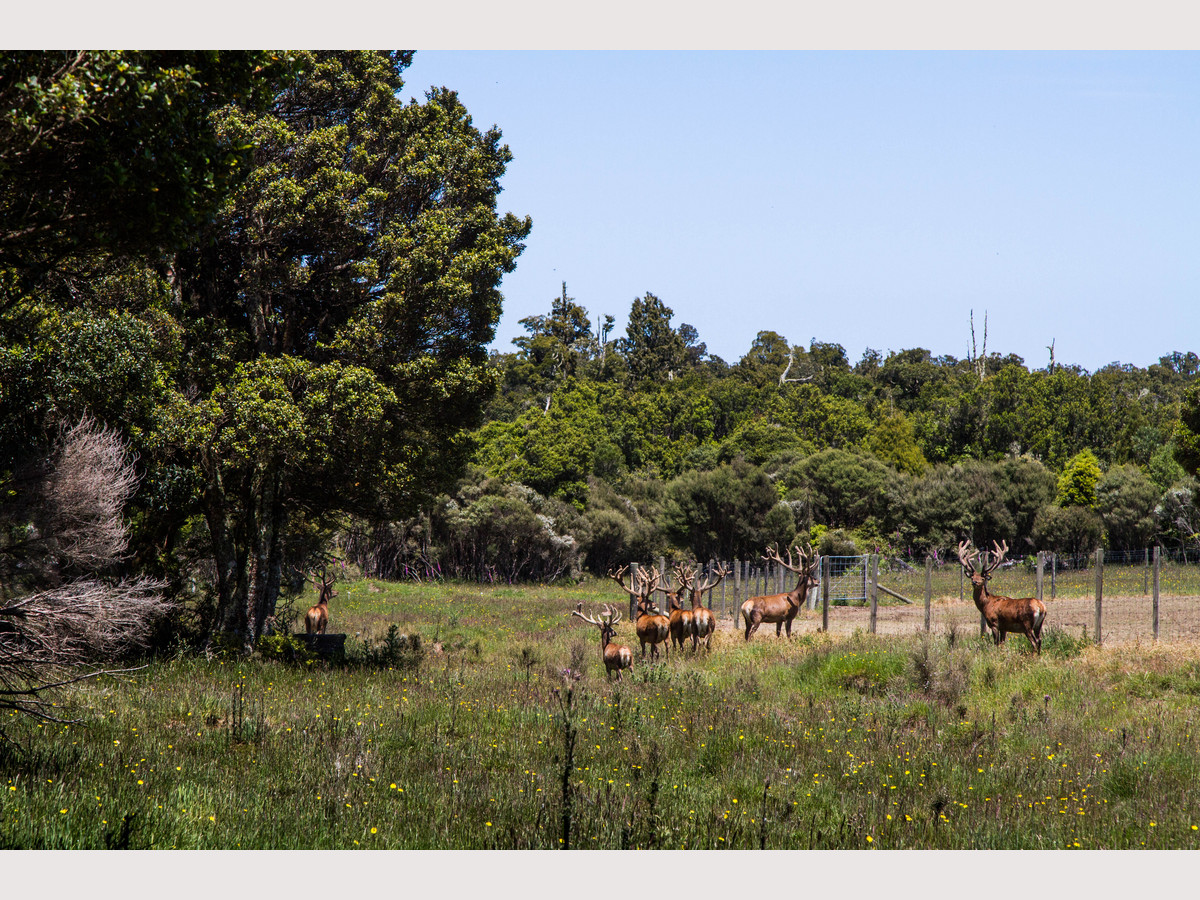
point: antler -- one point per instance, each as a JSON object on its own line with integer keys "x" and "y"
{"x": 648, "y": 582}
{"x": 1001, "y": 552}
{"x": 805, "y": 558}
{"x": 966, "y": 556}
{"x": 578, "y": 611}
{"x": 719, "y": 572}
{"x": 619, "y": 577}
{"x": 685, "y": 575}
{"x": 613, "y": 615}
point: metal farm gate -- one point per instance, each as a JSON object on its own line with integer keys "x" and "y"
{"x": 847, "y": 581}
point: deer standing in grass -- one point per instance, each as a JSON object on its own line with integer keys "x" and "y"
{"x": 317, "y": 619}
{"x": 780, "y": 609}
{"x": 704, "y": 623}
{"x": 680, "y": 619}
{"x": 616, "y": 656}
{"x": 651, "y": 625}
{"x": 1002, "y": 614}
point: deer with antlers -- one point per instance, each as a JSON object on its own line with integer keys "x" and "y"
{"x": 1002, "y": 614}
{"x": 680, "y": 619}
{"x": 317, "y": 618}
{"x": 651, "y": 625}
{"x": 780, "y": 609}
{"x": 704, "y": 623}
{"x": 616, "y": 656}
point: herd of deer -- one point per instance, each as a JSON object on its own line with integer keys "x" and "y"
{"x": 1002, "y": 614}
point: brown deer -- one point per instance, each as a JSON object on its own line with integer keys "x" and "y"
{"x": 1002, "y": 614}
{"x": 317, "y": 619}
{"x": 651, "y": 625}
{"x": 616, "y": 656}
{"x": 782, "y": 608}
{"x": 704, "y": 623}
{"x": 680, "y": 618}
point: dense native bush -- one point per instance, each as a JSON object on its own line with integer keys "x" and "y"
{"x": 1072, "y": 530}
{"x": 1125, "y": 499}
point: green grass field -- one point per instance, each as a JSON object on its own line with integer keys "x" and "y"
{"x": 819, "y": 742}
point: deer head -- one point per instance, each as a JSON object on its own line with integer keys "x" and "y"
{"x": 807, "y": 567}
{"x": 605, "y": 622}
{"x": 968, "y": 557}
{"x": 325, "y": 591}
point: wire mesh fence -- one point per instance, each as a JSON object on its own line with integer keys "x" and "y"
{"x": 1118, "y": 596}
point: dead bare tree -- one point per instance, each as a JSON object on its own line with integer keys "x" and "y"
{"x": 62, "y": 614}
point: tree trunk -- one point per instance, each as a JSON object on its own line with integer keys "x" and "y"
{"x": 248, "y": 557}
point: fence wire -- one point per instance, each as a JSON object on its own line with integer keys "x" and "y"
{"x": 1068, "y": 588}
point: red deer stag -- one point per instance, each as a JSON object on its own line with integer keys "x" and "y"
{"x": 1002, "y": 614}
{"x": 680, "y": 618}
{"x": 782, "y": 608}
{"x": 317, "y": 619}
{"x": 616, "y": 656}
{"x": 704, "y": 623}
{"x": 651, "y": 625}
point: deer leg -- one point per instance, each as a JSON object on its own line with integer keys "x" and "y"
{"x": 752, "y": 623}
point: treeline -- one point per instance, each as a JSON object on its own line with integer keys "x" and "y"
{"x": 598, "y": 449}
{"x": 267, "y": 286}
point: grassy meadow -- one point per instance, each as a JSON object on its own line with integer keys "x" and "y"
{"x": 503, "y": 733}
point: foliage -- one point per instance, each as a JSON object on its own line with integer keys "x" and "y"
{"x": 106, "y": 152}
{"x": 1187, "y": 431}
{"x": 395, "y": 652}
{"x": 1178, "y": 514}
{"x": 1164, "y": 470}
{"x": 1074, "y": 530}
{"x": 892, "y": 440}
{"x": 61, "y": 534}
{"x": 652, "y": 348}
{"x": 334, "y": 314}
{"x": 467, "y": 751}
{"x": 1125, "y": 499}
{"x": 842, "y": 488}
{"x": 496, "y": 530}
{"x": 719, "y": 514}
{"x": 1077, "y": 483}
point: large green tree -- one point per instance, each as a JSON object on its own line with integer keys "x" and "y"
{"x": 105, "y": 152}
{"x": 334, "y": 315}
{"x": 1187, "y": 431}
{"x": 653, "y": 349}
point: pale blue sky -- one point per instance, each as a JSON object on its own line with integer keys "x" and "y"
{"x": 870, "y": 199}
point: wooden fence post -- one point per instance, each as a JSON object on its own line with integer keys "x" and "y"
{"x": 1099, "y": 591}
{"x": 725, "y": 566}
{"x": 1157, "y": 569}
{"x": 983, "y": 561}
{"x": 874, "y": 589}
{"x": 825, "y": 577}
{"x": 1053, "y": 572}
{"x": 737, "y": 583}
{"x": 1041, "y": 572}
{"x": 928, "y": 589}
{"x": 633, "y": 570}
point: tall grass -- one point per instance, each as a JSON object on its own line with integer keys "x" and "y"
{"x": 817, "y": 742}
